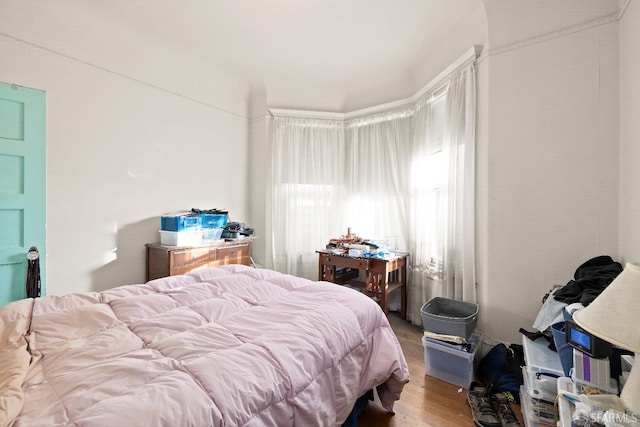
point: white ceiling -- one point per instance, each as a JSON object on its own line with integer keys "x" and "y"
{"x": 336, "y": 55}
{"x": 331, "y": 54}
{"x": 308, "y": 39}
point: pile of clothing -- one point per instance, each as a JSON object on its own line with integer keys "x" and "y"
{"x": 236, "y": 230}
{"x": 589, "y": 280}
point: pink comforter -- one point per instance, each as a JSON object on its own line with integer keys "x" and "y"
{"x": 229, "y": 346}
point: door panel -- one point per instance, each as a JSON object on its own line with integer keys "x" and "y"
{"x": 11, "y": 119}
{"x": 22, "y": 186}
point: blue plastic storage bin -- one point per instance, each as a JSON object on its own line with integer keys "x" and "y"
{"x": 564, "y": 350}
{"x": 180, "y": 221}
{"x": 214, "y": 220}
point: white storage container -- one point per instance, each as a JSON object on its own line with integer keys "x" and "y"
{"x": 540, "y": 385}
{"x": 181, "y": 238}
{"x": 448, "y": 363}
{"x": 542, "y": 363}
{"x": 540, "y": 358}
{"x": 530, "y": 414}
{"x": 565, "y": 408}
{"x": 611, "y": 388}
{"x": 595, "y": 373}
{"x": 210, "y": 235}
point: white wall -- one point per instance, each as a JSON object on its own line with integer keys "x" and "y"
{"x": 630, "y": 133}
{"x": 122, "y": 149}
{"x": 550, "y": 161}
{"x": 133, "y": 136}
{"x": 259, "y": 179}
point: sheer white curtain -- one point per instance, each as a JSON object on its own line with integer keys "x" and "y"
{"x": 408, "y": 174}
{"x": 442, "y": 212}
{"x": 378, "y": 149}
{"x": 330, "y": 175}
{"x": 308, "y": 167}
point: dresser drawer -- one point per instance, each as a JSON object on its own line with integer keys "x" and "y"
{"x": 184, "y": 261}
{"x": 234, "y": 255}
{"x": 341, "y": 261}
{"x": 163, "y": 260}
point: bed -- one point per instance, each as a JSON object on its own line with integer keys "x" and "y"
{"x": 227, "y": 346}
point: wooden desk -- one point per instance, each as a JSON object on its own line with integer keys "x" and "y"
{"x": 382, "y": 275}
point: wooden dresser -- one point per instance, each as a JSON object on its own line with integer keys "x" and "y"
{"x": 165, "y": 261}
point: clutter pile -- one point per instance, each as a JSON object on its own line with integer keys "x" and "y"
{"x": 200, "y": 226}
{"x": 547, "y": 356}
{"x": 353, "y": 245}
{"x": 236, "y": 230}
{"x": 550, "y": 350}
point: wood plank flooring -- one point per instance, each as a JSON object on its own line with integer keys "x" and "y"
{"x": 425, "y": 401}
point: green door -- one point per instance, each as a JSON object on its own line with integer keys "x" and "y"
{"x": 22, "y": 186}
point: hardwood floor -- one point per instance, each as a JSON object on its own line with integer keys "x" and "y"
{"x": 425, "y": 400}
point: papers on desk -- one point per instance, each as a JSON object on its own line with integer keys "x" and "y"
{"x": 379, "y": 254}
{"x": 359, "y": 253}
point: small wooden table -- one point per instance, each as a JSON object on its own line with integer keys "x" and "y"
{"x": 382, "y": 275}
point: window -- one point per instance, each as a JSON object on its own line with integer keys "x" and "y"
{"x": 429, "y": 171}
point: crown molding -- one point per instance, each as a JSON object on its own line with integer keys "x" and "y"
{"x": 607, "y": 19}
{"x": 465, "y": 59}
{"x": 32, "y": 47}
{"x": 623, "y": 9}
{"x": 306, "y": 114}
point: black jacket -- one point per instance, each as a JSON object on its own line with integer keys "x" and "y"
{"x": 589, "y": 280}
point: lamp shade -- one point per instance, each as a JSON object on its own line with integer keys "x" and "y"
{"x": 615, "y": 314}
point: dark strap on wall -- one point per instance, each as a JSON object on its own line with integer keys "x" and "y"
{"x": 33, "y": 273}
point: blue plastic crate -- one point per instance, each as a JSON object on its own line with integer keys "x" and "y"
{"x": 214, "y": 220}
{"x": 181, "y": 221}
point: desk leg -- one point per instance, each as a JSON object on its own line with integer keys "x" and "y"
{"x": 384, "y": 278}
{"x": 403, "y": 293}
{"x": 326, "y": 272}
